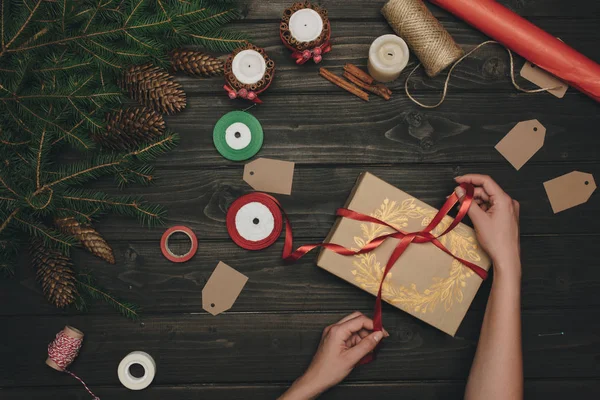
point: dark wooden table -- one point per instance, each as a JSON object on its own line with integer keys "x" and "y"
{"x": 258, "y": 348}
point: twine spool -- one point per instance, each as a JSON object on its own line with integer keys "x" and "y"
{"x": 426, "y": 37}
{"x": 63, "y": 350}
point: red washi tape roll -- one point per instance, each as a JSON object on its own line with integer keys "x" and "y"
{"x": 164, "y": 244}
{"x": 254, "y": 221}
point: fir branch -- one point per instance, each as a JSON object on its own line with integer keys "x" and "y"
{"x": 3, "y": 182}
{"x": 50, "y": 237}
{"x": 87, "y": 284}
{"x": 8, "y": 219}
{"x": 39, "y": 159}
{"x": 5, "y": 48}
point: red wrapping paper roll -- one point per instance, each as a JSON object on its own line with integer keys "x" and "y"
{"x": 531, "y": 42}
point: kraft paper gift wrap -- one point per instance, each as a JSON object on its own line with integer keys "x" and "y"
{"x": 425, "y": 282}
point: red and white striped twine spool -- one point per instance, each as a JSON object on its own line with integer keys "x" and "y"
{"x": 63, "y": 350}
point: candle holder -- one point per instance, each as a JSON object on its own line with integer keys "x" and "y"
{"x": 305, "y": 29}
{"x": 248, "y": 72}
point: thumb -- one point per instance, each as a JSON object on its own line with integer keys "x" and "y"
{"x": 365, "y": 346}
{"x": 476, "y": 214}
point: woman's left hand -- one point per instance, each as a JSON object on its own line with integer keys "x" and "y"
{"x": 342, "y": 346}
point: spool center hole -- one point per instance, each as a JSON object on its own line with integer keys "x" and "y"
{"x": 390, "y": 54}
{"x": 237, "y": 135}
{"x": 136, "y": 370}
{"x": 255, "y": 221}
{"x": 179, "y": 244}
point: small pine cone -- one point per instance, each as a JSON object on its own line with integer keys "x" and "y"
{"x": 130, "y": 127}
{"x": 196, "y": 63}
{"x": 55, "y": 273}
{"x": 154, "y": 87}
{"x": 88, "y": 236}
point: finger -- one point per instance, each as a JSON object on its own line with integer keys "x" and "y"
{"x": 354, "y": 340}
{"x": 349, "y": 317}
{"x": 480, "y": 194}
{"x": 345, "y": 330}
{"x": 517, "y": 207}
{"x": 365, "y": 346}
{"x": 489, "y": 185}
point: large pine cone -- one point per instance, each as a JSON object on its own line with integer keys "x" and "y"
{"x": 130, "y": 127}
{"x": 196, "y": 63}
{"x": 88, "y": 236}
{"x": 55, "y": 274}
{"x": 154, "y": 87}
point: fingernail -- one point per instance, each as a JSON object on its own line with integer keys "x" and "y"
{"x": 386, "y": 333}
{"x": 457, "y": 177}
{"x": 377, "y": 336}
{"x": 460, "y": 192}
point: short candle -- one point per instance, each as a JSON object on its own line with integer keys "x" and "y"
{"x": 388, "y": 56}
{"x": 306, "y": 25}
{"x": 248, "y": 66}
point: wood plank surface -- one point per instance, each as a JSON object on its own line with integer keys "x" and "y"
{"x": 487, "y": 70}
{"x": 341, "y": 129}
{"x": 340, "y": 9}
{"x": 558, "y": 272}
{"x": 258, "y": 347}
{"x": 534, "y": 389}
{"x": 199, "y": 198}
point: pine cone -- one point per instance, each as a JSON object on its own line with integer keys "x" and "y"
{"x": 196, "y": 63}
{"x": 130, "y": 127}
{"x": 88, "y": 236}
{"x": 154, "y": 87}
{"x": 55, "y": 274}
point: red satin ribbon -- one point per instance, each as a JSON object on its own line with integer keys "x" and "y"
{"x": 315, "y": 53}
{"x": 406, "y": 238}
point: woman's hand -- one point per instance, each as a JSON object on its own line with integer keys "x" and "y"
{"x": 342, "y": 346}
{"x": 496, "y": 219}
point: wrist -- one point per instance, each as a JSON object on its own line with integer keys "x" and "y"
{"x": 304, "y": 388}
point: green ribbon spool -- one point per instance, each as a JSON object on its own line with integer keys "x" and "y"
{"x": 238, "y": 136}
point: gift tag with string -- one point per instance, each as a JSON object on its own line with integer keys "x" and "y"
{"x": 267, "y": 175}
{"x": 222, "y": 289}
{"x": 569, "y": 190}
{"x": 543, "y": 79}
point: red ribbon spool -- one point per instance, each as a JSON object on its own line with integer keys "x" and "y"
{"x": 271, "y": 205}
{"x": 406, "y": 238}
{"x": 164, "y": 244}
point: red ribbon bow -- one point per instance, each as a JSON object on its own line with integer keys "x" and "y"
{"x": 243, "y": 94}
{"x": 406, "y": 238}
{"x": 316, "y": 54}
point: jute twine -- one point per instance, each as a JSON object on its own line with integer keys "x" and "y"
{"x": 447, "y": 81}
{"x": 426, "y": 37}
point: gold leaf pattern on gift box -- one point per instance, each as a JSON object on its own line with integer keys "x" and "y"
{"x": 369, "y": 271}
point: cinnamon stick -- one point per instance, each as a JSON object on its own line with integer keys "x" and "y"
{"x": 359, "y": 73}
{"x": 379, "y": 90}
{"x": 340, "y": 82}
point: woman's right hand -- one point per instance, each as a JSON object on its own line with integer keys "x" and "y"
{"x": 495, "y": 217}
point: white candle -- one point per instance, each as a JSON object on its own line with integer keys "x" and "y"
{"x": 306, "y": 25}
{"x": 248, "y": 66}
{"x": 388, "y": 55}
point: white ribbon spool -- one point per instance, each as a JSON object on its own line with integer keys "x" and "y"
{"x": 306, "y": 25}
{"x": 254, "y": 221}
{"x": 248, "y": 66}
{"x": 388, "y": 56}
{"x": 131, "y": 382}
{"x": 238, "y": 135}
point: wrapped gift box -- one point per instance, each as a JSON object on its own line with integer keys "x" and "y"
{"x": 425, "y": 281}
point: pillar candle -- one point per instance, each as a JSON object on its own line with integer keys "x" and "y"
{"x": 248, "y": 66}
{"x": 305, "y": 25}
{"x": 388, "y": 55}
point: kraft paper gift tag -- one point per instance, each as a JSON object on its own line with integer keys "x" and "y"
{"x": 267, "y": 175}
{"x": 569, "y": 190}
{"x": 222, "y": 289}
{"x": 543, "y": 79}
{"x": 522, "y": 142}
